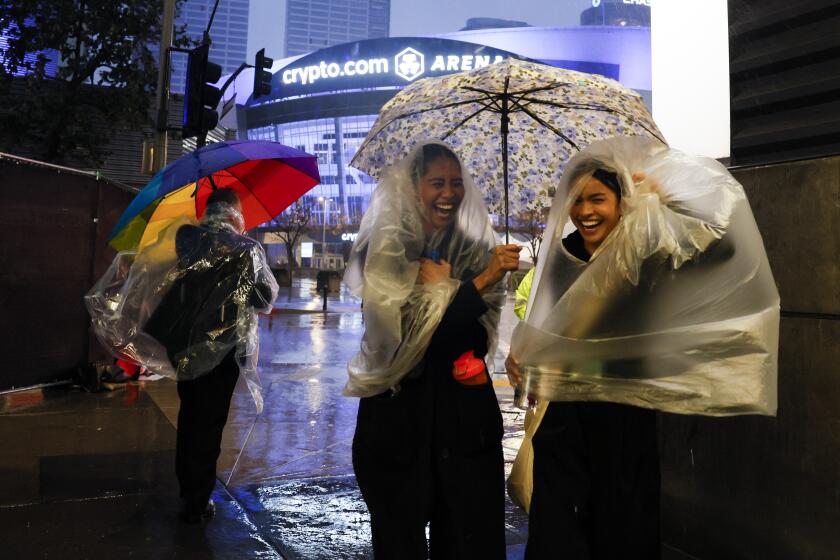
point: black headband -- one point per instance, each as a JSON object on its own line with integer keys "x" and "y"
{"x": 610, "y": 179}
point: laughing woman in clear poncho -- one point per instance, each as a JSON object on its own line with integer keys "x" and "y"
{"x": 653, "y": 292}
{"x": 427, "y": 447}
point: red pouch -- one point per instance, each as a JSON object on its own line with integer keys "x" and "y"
{"x": 469, "y": 370}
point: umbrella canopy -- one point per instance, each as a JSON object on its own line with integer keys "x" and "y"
{"x": 267, "y": 175}
{"x": 514, "y": 122}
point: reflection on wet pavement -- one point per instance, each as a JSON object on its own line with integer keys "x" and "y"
{"x": 96, "y": 475}
{"x": 321, "y": 517}
{"x": 91, "y": 476}
{"x": 294, "y": 475}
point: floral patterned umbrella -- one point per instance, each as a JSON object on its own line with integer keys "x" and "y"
{"x": 515, "y": 122}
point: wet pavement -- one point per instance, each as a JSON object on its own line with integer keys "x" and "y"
{"x": 92, "y": 475}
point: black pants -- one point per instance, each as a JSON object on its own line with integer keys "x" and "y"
{"x": 205, "y": 403}
{"x": 445, "y": 469}
{"x": 596, "y": 484}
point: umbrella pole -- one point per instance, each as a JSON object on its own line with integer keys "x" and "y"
{"x": 505, "y": 128}
{"x": 505, "y": 172}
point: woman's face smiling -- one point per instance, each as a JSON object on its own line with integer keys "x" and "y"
{"x": 441, "y": 191}
{"x": 595, "y": 213}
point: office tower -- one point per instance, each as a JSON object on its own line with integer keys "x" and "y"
{"x": 229, "y": 34}
{"x": 315, "y": 24}
{"x": 630, "y": 13}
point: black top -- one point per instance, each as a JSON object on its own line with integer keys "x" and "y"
{"x": 574, "y": 245}
{"x": 459, "y": 329}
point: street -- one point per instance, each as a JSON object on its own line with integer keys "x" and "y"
{"x": 100, "y": 482}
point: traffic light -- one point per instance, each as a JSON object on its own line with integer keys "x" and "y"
{"x": 201, "y": 97}
{"x": 262, "y": 77}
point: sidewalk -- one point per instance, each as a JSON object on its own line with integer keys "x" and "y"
{"x": 92, "y": 475}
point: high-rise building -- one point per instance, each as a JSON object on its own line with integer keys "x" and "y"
{"x": 630, "y": 13}
{"x": 229, "y": 34}
{"x": 315, "y": 24}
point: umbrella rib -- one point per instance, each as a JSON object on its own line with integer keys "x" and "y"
{"x": 487, "y": 100}
{"x": 421, "y": 111}
{"x": 520, "y": 92}
{"x": 601, "y": 108}
{"x": 548, "y": 126}
{"x": 568, "y": 105}
{"x": 514, "y": 96}
{"x": 464, "y": 121}
{"x": 489, "y": 96}
{"x": 489, "y": 103}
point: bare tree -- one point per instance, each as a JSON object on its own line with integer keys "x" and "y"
{"x": 531, "y": 224}
{"x": 290, "y": 226}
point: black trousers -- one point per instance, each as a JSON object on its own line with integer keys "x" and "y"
{"x": 205, "y": 403}
{"x": 445, "y": 469}
{"x": 596, "y": 484}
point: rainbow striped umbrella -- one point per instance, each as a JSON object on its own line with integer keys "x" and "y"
{"x": 268, "y": 176}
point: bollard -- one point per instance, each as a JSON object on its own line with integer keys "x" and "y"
{"x": 325, "y": 288}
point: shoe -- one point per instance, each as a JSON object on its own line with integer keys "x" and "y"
{"x": 192, "y": 516}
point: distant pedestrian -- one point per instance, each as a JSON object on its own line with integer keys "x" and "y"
{"x": 428, "y": 441}
{"x": 207, "y": 322}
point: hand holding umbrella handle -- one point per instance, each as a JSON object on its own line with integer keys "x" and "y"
{"x": 505, "y": 258}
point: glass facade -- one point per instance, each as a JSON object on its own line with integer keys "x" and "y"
{"x": 315, "y": 24}
{"x": 229, "y": 34}
{"x": 335, "y": 142}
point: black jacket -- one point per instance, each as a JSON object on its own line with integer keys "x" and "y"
{"x": 213, "y": 282}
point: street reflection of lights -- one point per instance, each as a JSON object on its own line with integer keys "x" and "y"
{"x": 319, "y": 518}
{"x": 316, "y": 397}
{"x": 313, "y": 380}
{"x": 350, "y": 321}
{"x": 318, "y": 341}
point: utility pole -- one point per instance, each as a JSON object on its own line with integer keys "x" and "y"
{"x": 162, "y": 96}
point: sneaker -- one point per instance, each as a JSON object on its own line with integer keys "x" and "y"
{"x": 191, "y": 516}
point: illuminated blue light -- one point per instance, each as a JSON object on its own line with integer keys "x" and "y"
{"x": 50, "y": 69}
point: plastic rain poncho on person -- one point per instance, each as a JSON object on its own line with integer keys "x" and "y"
{"x": 400, "y": 314}
{"x": 676, "y": 310}
{"x": 180, "y": 305}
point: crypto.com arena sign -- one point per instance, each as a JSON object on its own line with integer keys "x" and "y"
{"x": 380, "y": 63}
{"x": 408, "y": 64}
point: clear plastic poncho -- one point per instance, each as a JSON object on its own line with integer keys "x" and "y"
{"x": 401, "y": 314}
{"x": 676, "y": 310}
{"x": 184, "y": 302}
